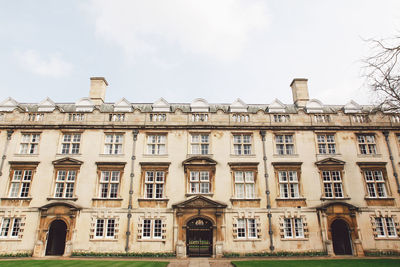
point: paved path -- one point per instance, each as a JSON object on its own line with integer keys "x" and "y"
{"x": 200, "y": 262}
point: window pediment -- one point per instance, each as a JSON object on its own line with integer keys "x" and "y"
{"x": 330, "y": 162}
{"x": 67, "y": 161}
{"x": 199, "y": 161}
{"x": 199, "y": 202}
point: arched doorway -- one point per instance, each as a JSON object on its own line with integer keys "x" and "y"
{"x": 199, "y": 238}
{"x": 56, "y": 238}
{"x": 341, "y": 238}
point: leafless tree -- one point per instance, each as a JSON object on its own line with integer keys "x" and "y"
{"x": 382, "y": 72}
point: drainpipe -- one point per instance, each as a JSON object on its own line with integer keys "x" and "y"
{"x": 386, "y": 134}
{"x": 128, "y": 227}
{"x": 269, "y": 214}
{"x": 3, "y": 158}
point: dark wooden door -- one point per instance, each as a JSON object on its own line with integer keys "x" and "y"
{"x": 56, "y": 238}
{"x": 199, "y": 238}
{"x": 341, "y": 238}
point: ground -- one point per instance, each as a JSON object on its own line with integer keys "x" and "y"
{"x": 76, "y": 263}
{"x": 320, "y": 263}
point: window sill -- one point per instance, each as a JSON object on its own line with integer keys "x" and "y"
{"x": 369, "y": 155}
{"x": 17, "y": 198}
{"x": 103, "y": 240}
{"x": 246, "y": 239}
{"x": 328, "y": 155}
{"x": 245, "y": 199}
{"x": 26, "y": 155}
{"x": 285, "y": 155}
{"x": 111, "y": 155}
{"x": 8, "y": 239}
{"x": 106, "y": 199}
{"x": 69, "y": 154}
{"x": 334, "y": 198}
{"x": 151, "y": 240}
{"x": 155, "y": 155}
{"x": 394, "y": 238}
{"x": 63, "y": 198}
{"x": 243, "y": 156}
{"x": 154, "y": 199}
{"x": 294, "y": 239}
{"x": 202, "y": 155}
{"x": 196, "y": 194}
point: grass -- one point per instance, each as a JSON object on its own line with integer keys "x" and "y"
{"x": 320, "y": 263}
{"x": 76, "y": 263}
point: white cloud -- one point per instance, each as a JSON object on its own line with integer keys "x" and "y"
{"x": 219, "y": 29}
{"x": 52, "y": 66}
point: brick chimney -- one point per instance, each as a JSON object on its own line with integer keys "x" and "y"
{"x": 300, "y": 92}
{"x": 97, "y": 92}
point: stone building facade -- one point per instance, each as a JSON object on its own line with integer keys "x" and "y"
{"x": 198, "y": 179}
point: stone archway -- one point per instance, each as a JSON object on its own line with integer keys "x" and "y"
{"x": 56, "y": 238}
{"x": 341, "y": 239}
{"x": 52, "y": 218}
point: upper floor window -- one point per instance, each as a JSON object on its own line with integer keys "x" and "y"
{"x": 154, "y": 184}
{"x": 113, "y": 144}
{"x": 293, "y": 228}
{"x": 244, "y": 184}
{"x": 321, "y": 118}
{"x": 2, "y": 116}
{"x": 375, "y": 182}
{"x": 288, "y": 184}
{"x": 366, "y": 143}
{"x": 158, "y": 117}
{"x": 109, "y": 183}
{"x": 199, "y": 117}
{"x": 10, "y": 227}
{"x": 200, "y": 182}
{"x": 332, "y": 182}
{"x": 200, "y": 144}
{"x": 284, "y": 144}
{"x": 359, "y": 118}
{"x": 240, "y": 118}
{"x": 35, "y": 116}
{"x": 65, "y": 183}
{"x": 326, "y": 144}
{"x": 29, "y": 143}
{"x": 116, "y": 117}
{"x": 156, "y": 144}
{"x": 71, "y": 143}
{"x": 20, "y": 183}
{"x": 385, "y": 227}
{"x": 396, "y": 118}
{"x": 76, "y": 116}
{"x": 281, "y": 118}
{"x": 242, "y": 144}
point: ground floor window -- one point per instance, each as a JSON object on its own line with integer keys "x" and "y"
{"x": 246, "y": 228}
{"x": 385, "y": 227}
{"x": 10, "y": 227}
{"x": 151, "y": 229}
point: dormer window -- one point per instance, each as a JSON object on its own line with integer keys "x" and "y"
{"x": 76, "y": 117}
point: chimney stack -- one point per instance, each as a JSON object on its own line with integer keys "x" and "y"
{"x": 300, "y": 92}
{"x": 97, "y": 92}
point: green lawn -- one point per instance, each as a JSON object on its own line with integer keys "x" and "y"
{"x": 320, "y": 263}
{"x": 85, "y": 263}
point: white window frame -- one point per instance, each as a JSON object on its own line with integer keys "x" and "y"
{"x": 332, "y": 184}
{"x": 245, "y": 184}
{"x": 289, "y": 184}
{"x": 113, "y": 143}
{"x": 29, "y": 143}
{"x": 293, "y": 228}
{"x": 107, "y": 228}
{"x": 326, "y": 144}
{"x": 367, "y": 144}
{"x": 202, "y": 143}
{"x": 375, "y": 183}
{"x": 198, "y": 181}
{"x": 10, "y": 228}
{"x": 246, "y": 228}
{"x": 20, "y": 184}
{"x": 242, "y": 144}
{"x": 284, "y": 146}
{"x": 65, "y": 178}
{"x": 385, "y": 227}
{"x": 108, "y": 180}
{"x": 70, "y": 143}
{"x": 154, "y": 182}
{"x": 154, "y": 227}
{"x": 156, "y": 144}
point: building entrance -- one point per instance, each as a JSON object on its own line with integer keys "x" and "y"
{"x": 199, "y": 238}
{"x": 56, "y": 238}
{"x": 341, "y": 238}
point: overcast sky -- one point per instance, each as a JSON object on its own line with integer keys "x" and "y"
{"x": 219, "y": 50}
